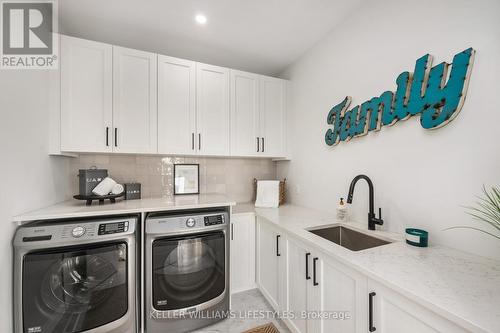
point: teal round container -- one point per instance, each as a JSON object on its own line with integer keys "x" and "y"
{"x": 417, "y": 237}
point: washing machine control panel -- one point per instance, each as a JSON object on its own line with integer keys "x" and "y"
{"x": 214, "y": 220}
{"x": 112, "y": 228}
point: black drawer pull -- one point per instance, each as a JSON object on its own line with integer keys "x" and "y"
{"x": 371, "y": 328}
{"x": 315, "y": 282}
{"x": 308, "y": 277}
{"x": 258, "y": 144}
{"x": 278, "y": 245}
{"x": 116, "y": 136}
{"x": 107, "y": 136}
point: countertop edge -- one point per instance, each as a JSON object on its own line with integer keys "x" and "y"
{"x": 39, "y": 215}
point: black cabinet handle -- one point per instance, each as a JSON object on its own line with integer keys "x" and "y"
{"x": 308, "y": 277}
{"x": 315, "y": 282}
{"x": 263, "y": 145}
{"x": 107, "y": 136}
{"x": 232, "y": 231}
{"x": 199, "y": 141}
{"x": 258, "y": 144}
{"x": 192, "y": 141}
{"x": 278, "y": 245}
{"x": 371, "y": 328}
{"x": 116, "y": 136}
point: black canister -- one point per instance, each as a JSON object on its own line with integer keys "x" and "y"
{"x": 132, "y": 191}
{"x": 89, "y": 178}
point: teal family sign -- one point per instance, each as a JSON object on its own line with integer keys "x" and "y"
{"x": 429, "y": 92}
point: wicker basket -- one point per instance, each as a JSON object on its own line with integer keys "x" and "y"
{"x": 282, "y": 190}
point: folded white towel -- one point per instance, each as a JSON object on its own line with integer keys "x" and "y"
{"x": 104, "y": 187}
{"x": 268, "y": 194}
{"x": 117, "y": 189}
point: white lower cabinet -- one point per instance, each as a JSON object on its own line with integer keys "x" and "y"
{"x": 394, "y": 313}
{"x": 271, "y": 275}
{"x": 323, "y": 295}
{"x": 340, "y": 298}
{"x": 319, "y": 294}
{"x": 299, "y": 284}
{"x": 242, "y": 252}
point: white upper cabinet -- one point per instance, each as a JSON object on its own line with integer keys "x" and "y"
{"x": 176, "y": 106}
{"x": 119, "y": 100}
{"x": 245, "y": 137}
{"x": 134, "y": 101}
{"x": 212, "y": 91}
{"x": 272, "y": 116}
{"x": 86, "y": 95}
{"x": 257, "y": 115}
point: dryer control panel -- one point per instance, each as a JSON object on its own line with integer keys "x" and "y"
{"x": 112, "y": 228}
{"x": 214, "y": 220}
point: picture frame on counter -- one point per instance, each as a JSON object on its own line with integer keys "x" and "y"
{"x": 186, "y": 179}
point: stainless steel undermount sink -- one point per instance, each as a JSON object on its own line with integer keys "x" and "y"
{"x": 348, "y": 238}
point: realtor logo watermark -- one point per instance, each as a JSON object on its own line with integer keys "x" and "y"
{"x": 28, "y": 39}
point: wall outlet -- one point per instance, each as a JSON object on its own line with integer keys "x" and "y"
{"x": 297, "y": 189}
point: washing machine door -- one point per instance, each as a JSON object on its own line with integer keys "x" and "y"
{"x": 73, "y": 290}
{"x": 188, "y": 271}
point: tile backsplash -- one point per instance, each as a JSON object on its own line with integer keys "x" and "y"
{"x": 231, "y": 177}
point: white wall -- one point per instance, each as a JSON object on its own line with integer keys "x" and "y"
{"x": 30, "y": 178}
{"x": 421, "y": 177}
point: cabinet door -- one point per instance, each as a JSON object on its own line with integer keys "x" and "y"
{"x": 134, "y": 101}
{"x": 272, "y": 116}
{"x": 86, "y": 95}
{"x": 176, "y": 106}
{"x": 242, "y": 252}
{"x": 245, "y": 139}
{"x": 394, "y": 313}
{"x": 298, "y": 281}
{"x": 269, "y": 247}
{"x": 212, "y": 91}
{"x": 340, "y": 292}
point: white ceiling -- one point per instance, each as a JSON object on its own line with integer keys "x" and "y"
{"x": 262, "y": 36}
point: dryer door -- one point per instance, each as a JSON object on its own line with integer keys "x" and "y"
{"x": 188, "y": 271}
{"x": 69, "y": 290}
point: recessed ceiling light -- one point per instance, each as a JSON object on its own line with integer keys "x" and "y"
{"x": 201, "y": 19}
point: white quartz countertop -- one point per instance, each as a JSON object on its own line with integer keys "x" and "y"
{"x": 78, "y": 209}
{"x": 462, "y": 287}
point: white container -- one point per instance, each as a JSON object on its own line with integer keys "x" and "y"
{"x": 342, "y": 211}
{"x": 104, "y": 187}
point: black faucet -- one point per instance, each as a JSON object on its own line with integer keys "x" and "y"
{"x": 372, "y": 220}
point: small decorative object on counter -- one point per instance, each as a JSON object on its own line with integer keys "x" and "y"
{"x": 186, "y": 179}
{"x": 267, "y": 194}
{"x": 90, "y": 178}
{"x": 100, "y": 198}
{"x": 417, "y": 237}
{"x": 282, "y": 191}
{"x": 132, "y": 191}
{"x": 342, "y": 212}
{"x": 105, "y": 187}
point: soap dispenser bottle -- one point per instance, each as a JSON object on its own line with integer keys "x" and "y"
{"x": 342, "y": 212}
